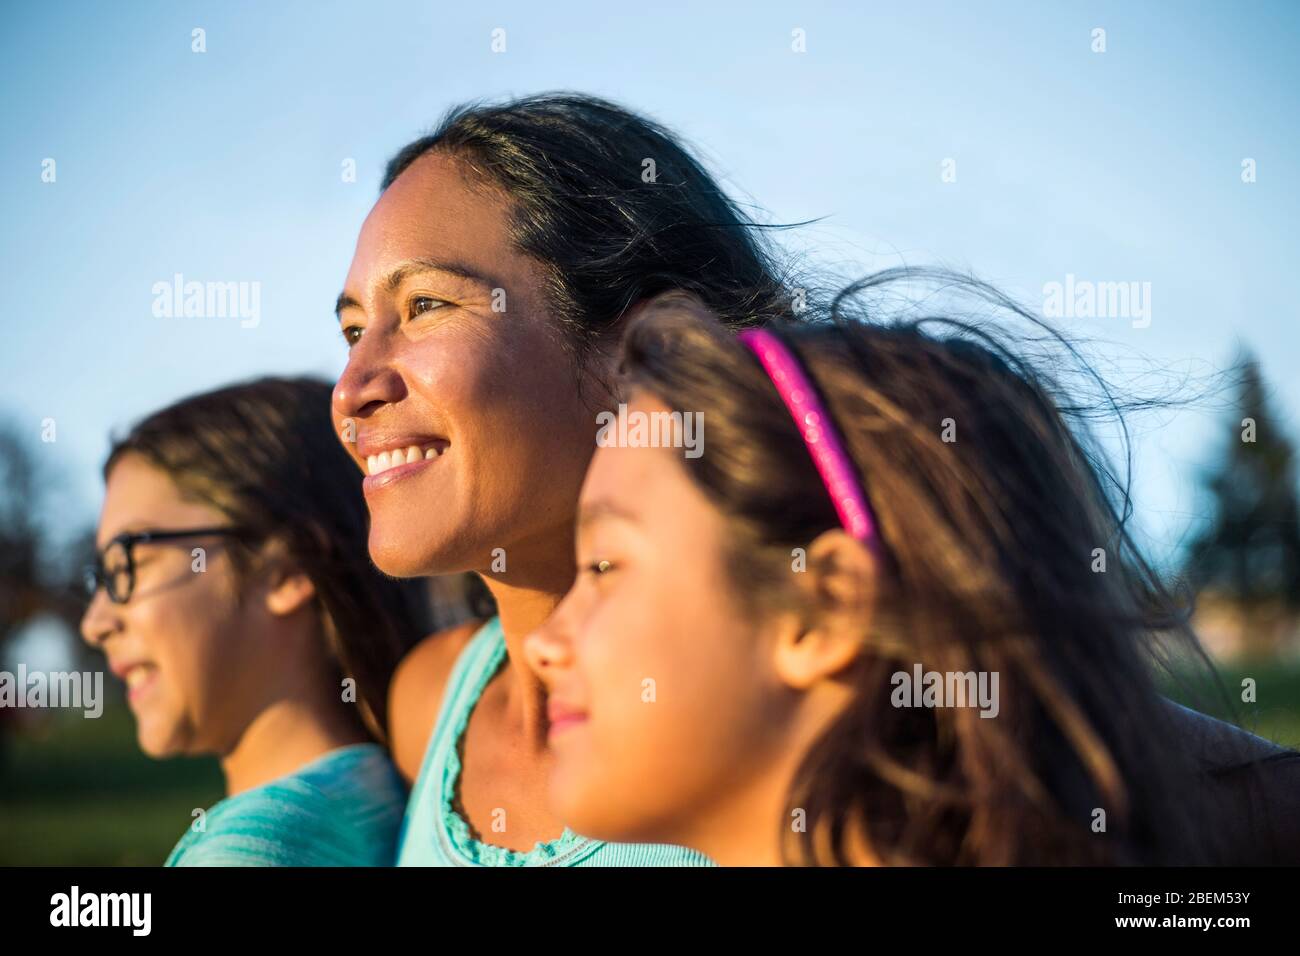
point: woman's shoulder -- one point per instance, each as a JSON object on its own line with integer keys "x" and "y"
{"x": 416, "y": 691}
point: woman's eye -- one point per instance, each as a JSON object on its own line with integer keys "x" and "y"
{"x": 423, "y": 303}
{"x": 351, "y": 333}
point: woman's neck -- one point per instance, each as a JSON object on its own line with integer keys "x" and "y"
{"x": 285, "y": 736}
{"x": 524, "y": 601}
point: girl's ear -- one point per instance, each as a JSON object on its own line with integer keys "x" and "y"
{"x": 289, "y": 593}
{"x": 288, "y": 587}
{"x": 604, "y": 361}
{"x": 838, "y": 589}
{"x": 673, "y": 299}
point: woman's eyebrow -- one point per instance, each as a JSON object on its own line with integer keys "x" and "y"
{"x": 404, "y": 270}
{"x": 345, "y": 301}
{"x": 409, "y": 267}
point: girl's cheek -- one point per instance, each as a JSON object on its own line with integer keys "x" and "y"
{"x": 607, "y": 672}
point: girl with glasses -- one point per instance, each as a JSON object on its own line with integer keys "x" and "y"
{"x": 233, "y": 596}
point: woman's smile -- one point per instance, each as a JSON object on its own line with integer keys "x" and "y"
{"x": 385, "y": 473}
{"x": 390, "y": 459}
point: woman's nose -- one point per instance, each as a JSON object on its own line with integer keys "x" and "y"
{"x": 369, "y": 380}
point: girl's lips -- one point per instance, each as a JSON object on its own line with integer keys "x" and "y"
{"x": 560, "y": 717}
{"x": 565, "y": 723}
{"x": 142, "y": 680}
{"x": 385, "y": 478}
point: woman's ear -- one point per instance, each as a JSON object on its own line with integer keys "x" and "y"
{"x": 838, "y": 589}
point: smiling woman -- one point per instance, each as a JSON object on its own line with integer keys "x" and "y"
{"x": 489, "y": 285}
{"x": 233, "y": 596}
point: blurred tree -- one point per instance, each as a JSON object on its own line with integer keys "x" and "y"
{"x": 35, "y": 578}
{"x": 21, "y": 581}
{"x": 21, "y": 587}
{"x": 1250, "y": 554}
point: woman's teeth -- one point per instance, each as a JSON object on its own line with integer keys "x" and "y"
{"x": 137, "y": 675}
{"x": 375, "y": 464}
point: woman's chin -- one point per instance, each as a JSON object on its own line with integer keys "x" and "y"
{"x": 404, "y": 555}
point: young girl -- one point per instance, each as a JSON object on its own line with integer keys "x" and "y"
{"x": 233, "y": 595}
{"x": 869, "y": 624}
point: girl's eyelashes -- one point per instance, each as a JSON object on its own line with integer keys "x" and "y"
{"x": 598, "y": 568}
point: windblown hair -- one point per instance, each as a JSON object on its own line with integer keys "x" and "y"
{"x": 615, "y": 209}
{"x": 575, "y": 170}
{"x": 990, "y": 564}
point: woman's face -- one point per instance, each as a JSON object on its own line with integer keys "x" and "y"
{"x": 193, "y": 657}
{"x": 458, "y": 401}
{"x": 663, "y": 701}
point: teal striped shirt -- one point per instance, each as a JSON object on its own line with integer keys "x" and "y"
{"x": 341, "y": 809}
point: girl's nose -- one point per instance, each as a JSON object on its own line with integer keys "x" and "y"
{"x": 548, "y": 648}
{"x": 100, "y": 619}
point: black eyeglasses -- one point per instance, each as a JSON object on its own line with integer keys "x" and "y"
{"x": 114, "y": 567}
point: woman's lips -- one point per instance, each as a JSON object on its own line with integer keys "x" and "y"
{"x": 372, "y": 483}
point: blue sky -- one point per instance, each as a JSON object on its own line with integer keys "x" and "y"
{"x": 226, "y": 166}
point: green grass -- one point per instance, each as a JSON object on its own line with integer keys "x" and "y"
{"x": 80, "y": 792}
{"x": 1275, "y": 712}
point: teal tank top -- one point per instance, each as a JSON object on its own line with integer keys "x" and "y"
{"x": 435, "y": 834}
{"x": 341, "y": 809}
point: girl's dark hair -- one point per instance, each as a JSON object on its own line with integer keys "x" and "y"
{"x": 991, "y": 511}
{"x": 265, "y": 453}
{"x": 577, "y": 171}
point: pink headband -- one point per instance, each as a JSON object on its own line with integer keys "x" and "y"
{"x": 817, "y": 429}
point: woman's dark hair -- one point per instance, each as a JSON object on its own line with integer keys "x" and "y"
{"x": 612, "y": 205}
{"x": 993, "y": 513}
{"x": 615, "y": 209}
{"x": 265, "y": 453}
